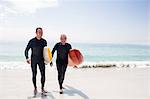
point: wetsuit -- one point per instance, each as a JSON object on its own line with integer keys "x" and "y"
{"x": 36, "y": 58}
{"x": 61, "y": 60}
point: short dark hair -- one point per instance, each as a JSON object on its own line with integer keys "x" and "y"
{"x": 38, "y": 28}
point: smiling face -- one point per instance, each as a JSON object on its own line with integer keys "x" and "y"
{"x": 63, "y": 38}
{"x": 39, "y": 33}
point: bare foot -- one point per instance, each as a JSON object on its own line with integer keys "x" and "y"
{"x": 35, "y": 91}
{"x": 61, "y": 91}
{"x": 44, "y": 91}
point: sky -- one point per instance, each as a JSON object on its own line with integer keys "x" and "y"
{"x": 83, "y": 21}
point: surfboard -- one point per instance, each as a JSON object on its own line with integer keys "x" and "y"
{"x": 47, "y": 55}
{"x": 75, "y": 57}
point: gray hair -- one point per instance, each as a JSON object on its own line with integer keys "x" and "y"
{"x": 63, "y": 36}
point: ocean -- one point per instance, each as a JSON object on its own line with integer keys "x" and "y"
{"x": 13, "y": 52}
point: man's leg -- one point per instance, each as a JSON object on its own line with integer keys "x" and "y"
{"x": 61, "y": 73}
{"x": 34, "y": 73}
{"x": 64, "y": 67}
{"x": 59, "y": 67}
{"x": 42, "y": 71}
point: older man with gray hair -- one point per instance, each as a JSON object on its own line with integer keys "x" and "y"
{"x": 62, "y": 49}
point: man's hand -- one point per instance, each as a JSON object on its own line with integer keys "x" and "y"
{"x": 51, "y": 64}
{"x": 28, "y": 61}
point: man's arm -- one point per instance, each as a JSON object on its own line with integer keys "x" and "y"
{"x": 27, "y": 49}
{"x": 53, "y": 51}
{"x": 70, "y": 47}
{"x": 45, "y": 43}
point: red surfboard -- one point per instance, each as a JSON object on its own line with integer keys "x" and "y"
{"x": 74, "y": 57}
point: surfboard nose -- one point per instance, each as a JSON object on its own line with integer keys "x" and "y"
{"x": 75, "y": 57}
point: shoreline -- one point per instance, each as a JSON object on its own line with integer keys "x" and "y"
{"x": 118, "y": 64}
{"x": 103, "y": 64}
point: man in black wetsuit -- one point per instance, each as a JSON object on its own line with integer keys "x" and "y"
{"x": 62, "y": 49}
{"x": 37, "y": 44}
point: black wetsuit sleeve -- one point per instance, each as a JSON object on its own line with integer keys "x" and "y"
{"x": 27, "y": 49}
{"x": 45, "y": 43}
{"x": 55, "y": 48}
{"x": 70, "y": 47}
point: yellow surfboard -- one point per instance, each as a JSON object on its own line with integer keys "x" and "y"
{"x": 47, "y": 55}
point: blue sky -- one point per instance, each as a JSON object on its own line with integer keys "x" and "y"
{"x": 85, "y": 21}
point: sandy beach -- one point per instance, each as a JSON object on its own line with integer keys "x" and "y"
{"x": 98, "y": 83}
